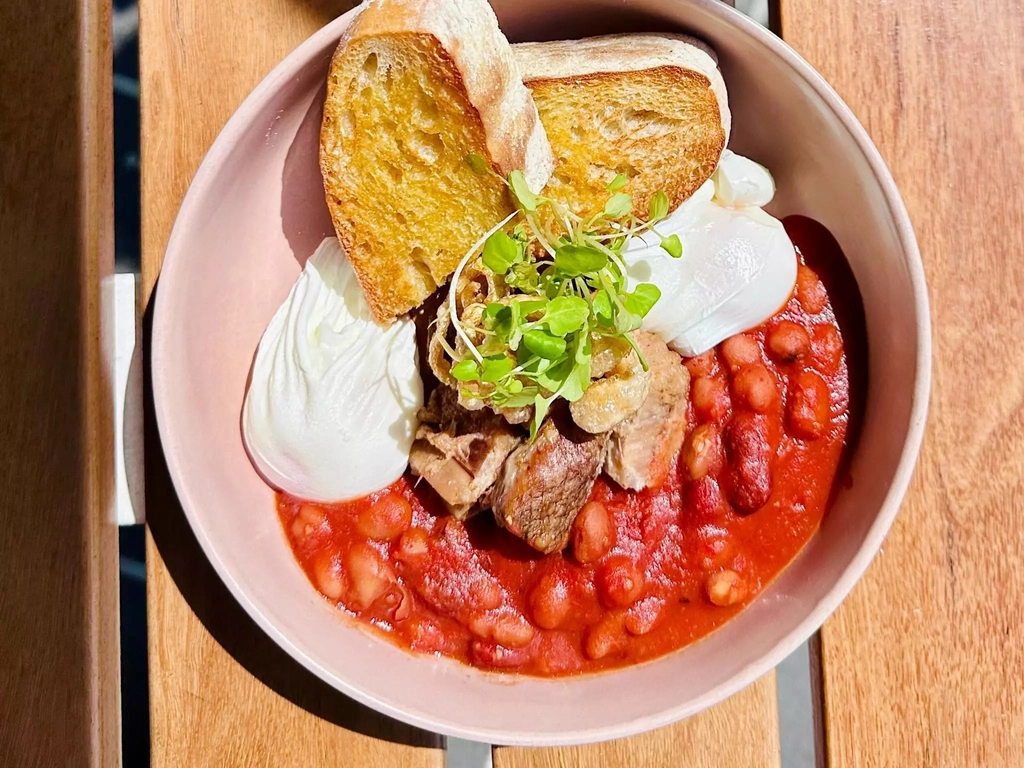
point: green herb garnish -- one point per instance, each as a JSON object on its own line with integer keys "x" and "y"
{"x": 672, "y": 246}
{"x": 478, "y": 164}
{"x": 563, "y": 285}
{"x": 618, "y": 182}
{"x": 658, "y": 209}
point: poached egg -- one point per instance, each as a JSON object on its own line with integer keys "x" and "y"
{"x": 331, "y": 409}
{"x": 738, "y": 266}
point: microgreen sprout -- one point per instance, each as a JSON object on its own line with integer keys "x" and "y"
{"x": 567, "y": 287}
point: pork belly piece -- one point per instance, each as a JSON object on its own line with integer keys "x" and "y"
{"x": 459, "y": 452}
{"x": 544, "y": 484}
{"x": 644, "y": 446}
{"x": 615, "y": 397}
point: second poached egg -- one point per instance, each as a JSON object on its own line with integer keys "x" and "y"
{"x": 738, "y": 266}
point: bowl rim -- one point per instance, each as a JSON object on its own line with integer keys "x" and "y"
{"x": 162, "y": 325}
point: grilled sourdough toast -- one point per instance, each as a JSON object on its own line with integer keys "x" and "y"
{"x": 652, "y": 107}
{"x": 414, "y": 87}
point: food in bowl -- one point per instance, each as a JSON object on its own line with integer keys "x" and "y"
{"x": 548, "y": 406}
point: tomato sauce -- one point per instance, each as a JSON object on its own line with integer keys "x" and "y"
{"x": 771, "y": 413}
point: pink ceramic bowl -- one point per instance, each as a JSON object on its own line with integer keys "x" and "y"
{"x": 255, "y": 212}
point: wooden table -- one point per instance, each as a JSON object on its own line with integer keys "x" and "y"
{"x": 923, "y": 665}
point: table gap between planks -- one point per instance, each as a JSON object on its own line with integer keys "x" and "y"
{"x": 936, "y": 621}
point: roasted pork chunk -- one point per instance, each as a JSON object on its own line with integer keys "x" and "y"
{"x": 644, "y": 446}
{"x": 545, "y": 483}
{"x": 459, "y": 452}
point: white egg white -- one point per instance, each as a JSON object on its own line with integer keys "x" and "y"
{"x": 331, "y": 409}
{"x": 738, "y": 266}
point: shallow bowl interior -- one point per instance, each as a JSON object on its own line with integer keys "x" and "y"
{"x": 255, "y": 212}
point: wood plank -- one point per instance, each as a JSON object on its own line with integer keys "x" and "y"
{"x": 923, "y": 665}
{"x": 741, "y": 732}
{"x": 221, "y": 692}
{"x": 59, "y": 672}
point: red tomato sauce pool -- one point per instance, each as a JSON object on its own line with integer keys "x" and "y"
{"x": 771, "y": 412}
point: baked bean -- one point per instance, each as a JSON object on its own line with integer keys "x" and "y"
{"x": 503, "y": 627}
{"x": 311, "y": 515}
{"x": 386, "y": 518}
{"x": 413, "y": 545}
{"x": 726, "y": 588}
{"x": 549, "y": 601}
{"x": 642, "y": 617}
{"x": 308, "y": 520}
{"x": 425, "y": 634}
{"x": 606, "y": 637}
{"x": 593, "y": 533}
{"x": 755, "y": 386}
{"x": 788, "y": 341}
{"x": 705, "y": 497}
{"x": 710, "y": 399}
{"x": 620, "y": 582}
{"x": 702, "y": 365}
{"x": 827, "y": 346}
{"x": 329, "y": 575}
{"x": 558, "y": 655}
{"x": 486, "y": 592}
{"x": 488, "y": 653}
{"x": 746, "y": 446}
{"x": 512, "y": 630}
{"x": 431, "y": 635}
{"x": 369, "y": 576}
{"x": 702, "y": 455}
{"x": 809, "y": 290}
{"x": 481, "y": 624}
{"x": 717, "y": 548}
{"x": 739, "y": 351}
{"x": 808, "y": 405}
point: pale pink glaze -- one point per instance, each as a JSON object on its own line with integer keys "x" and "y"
{"x": 255, "y": 212}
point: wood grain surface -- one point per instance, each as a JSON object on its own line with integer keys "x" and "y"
{"x": 59, "y": 672}
{"x": 741, "y": 732}
{"x": 923, "y": 665}
{"x": 222, "y": 694}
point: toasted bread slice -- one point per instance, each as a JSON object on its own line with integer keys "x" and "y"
{"x": 653, "y": 107}
{"x": 414, "y": 87}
